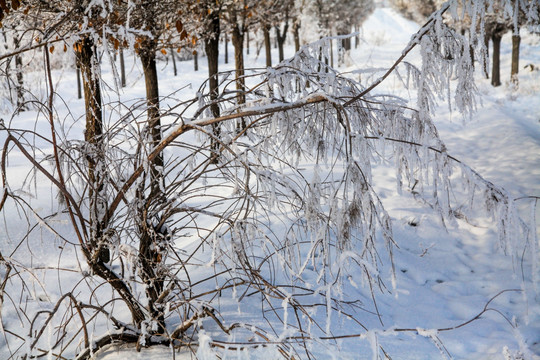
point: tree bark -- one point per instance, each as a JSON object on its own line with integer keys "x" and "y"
{"x": 21, "y": 105}
{"x": 280, "y": 37}
{"x": 296, "y": 32}
{"x": 148, "y": 60}
{"x": 93, "y": 136}
{"x": 150, "y": 242}
{"x": 247, "y": 41}
{"x": 195, "y": 60}
{"x": 346, "y": 43}
{"x": 211, "y": 47}
{"x": 485, "y": 59}
{"x": 331, "y": 54}
{"x": 356, "y": 37}
{"x": 122, "y": 68}
{"x": 496, "y": 72}
{"x": 516, "y": 40}
{"x": 79, "y": 85}
{"x": 237, "y": 40}
{"x": 175, "y": 70}
{"x": 267, "y": 45}
{"x": 226, "y": 49}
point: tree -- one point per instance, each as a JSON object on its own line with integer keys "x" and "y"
{"x": 349, "y": 14}
{"x": 338, "y": 18}
{"x": 497, "y": 32}
{"x": 500, "y": 17}
{"x": 211, "y": 232}
{"x": 237, "y": 19}
{"x": 281, "y": 34}
{"x": 239, "y": 16}
{"x": 211, "y": 33}
{"x": 417, "y": 10}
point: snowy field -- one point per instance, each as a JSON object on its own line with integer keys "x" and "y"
{"x": 445, "y": 277}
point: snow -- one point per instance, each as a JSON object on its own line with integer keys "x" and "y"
{"x": 444, "y": 277}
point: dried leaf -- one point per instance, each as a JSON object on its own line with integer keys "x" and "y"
{"x": 179, "y": 26}
{"x": 164, "y": 52}
{"x": 51, "y": 49}
{"x": 183, "y": 35}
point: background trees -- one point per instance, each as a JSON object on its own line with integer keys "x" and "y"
{"x": 172, "y": 234}
{"x": 500, "y": 18}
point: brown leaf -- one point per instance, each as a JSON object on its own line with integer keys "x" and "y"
{"x": 179, "y": 26}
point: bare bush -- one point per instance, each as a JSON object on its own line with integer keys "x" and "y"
{"x": 247, "y": 228}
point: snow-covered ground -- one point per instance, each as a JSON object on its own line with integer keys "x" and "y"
{"x": 444, "y": 277}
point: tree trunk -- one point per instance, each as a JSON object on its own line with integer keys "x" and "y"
{"x": 346, "y": 43}
{"x": 281, "y": 36}
{"x": 150, "y": 242}
{"x": 485, "y": 58}
{"x": 148, "y": 60}
{"x": 79, "y": 85}
{"x": 296, "y": 32}
{"x": 247, "y": 41}
{"x": 175, "y": 70}
{"x": 496, "y": 72}
{"x": 195, "y": 60}
{"x": 122, "y": 68}
{"x": 267, "y": 45}
{"x": 356, "y": 37}
{"x": 331, "y": 54}
{"x": 516, "y": 40}
{"x": 211, "y": 46}
{"x": 96, "y": 252}
{"x": 340, "y": 51}
{"x": 237, "y": 40}
{"x": 21, "y": 105}
{"x": 226, "y": 49}
{"x": 93, "y": 136}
